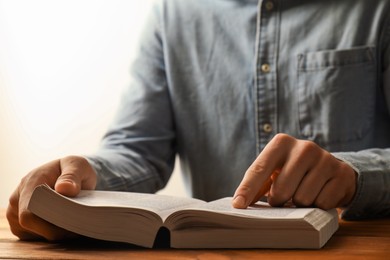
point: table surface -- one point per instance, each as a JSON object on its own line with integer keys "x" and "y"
{"x": 358, "y": 240}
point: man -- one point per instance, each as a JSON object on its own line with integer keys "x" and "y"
{"x": 217, "y": 82}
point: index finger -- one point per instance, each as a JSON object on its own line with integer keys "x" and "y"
{"x": 257, "y": 178}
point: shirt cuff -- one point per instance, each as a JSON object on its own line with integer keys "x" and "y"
{"x": 371, "y": 187}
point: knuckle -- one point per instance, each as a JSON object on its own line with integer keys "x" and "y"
{"x": 279, "y": 197}
{"x": 310, "y": 148}
{"x": 46, "y": 173}
{"x": 13, "y": 200}
{"x": 310, "y": 144}
{"x": 75, "y": 167}
{"x": 324, "y": 204}
{"x": 10, "y": 215}
{"x": 256, "y": 168}
{"x": 25, "y": 179}
{"x": 282, "y": 139}
{"x": 25, "y": 219}
{"x": 75, "y": 160}
{"x": 244, "y": 189}
{"x": 28, "y": 228}
{"x": 14, "y": 225}
{"x": 274, "y": 202}
{"x": 302, "y": 201}
{"x": 68, "y": 175}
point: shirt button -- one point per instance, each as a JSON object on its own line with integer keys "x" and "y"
{"x": 265, "y": 68}
{"x": 269, "y": 6}
{"x": 267, "y": 128}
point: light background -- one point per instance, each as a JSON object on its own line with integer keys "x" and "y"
{"x": 63, "y": 65}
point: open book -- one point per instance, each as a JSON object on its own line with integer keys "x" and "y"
{"x": 137, "y": 218}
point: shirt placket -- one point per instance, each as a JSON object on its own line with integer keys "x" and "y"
{"x": 266, "y": 72}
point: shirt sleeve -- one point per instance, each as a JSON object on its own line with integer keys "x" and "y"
{"x": 372, "y": 198}
{"x": 138, "y": 151}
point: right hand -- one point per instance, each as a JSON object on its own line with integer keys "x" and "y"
{"x": 67, "y": 176}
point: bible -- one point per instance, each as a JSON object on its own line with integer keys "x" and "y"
{"x": 137, "y": 218}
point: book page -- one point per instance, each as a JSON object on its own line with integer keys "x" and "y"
{"x": 258, "y": 210}
{"x": 160, "y": 204}
{"x": 108, "y": 215}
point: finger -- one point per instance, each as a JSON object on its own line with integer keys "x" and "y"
{"x": 340, "y": 189}
{"x": 284, "y": 187}
{"x": 302, "y": 158}
{"x": 331, "y": 196}
{"x": 266, "y": 187}
{"x": 256, "y": 183}
{"x": 313, "y": 183}
{"x": 271, "y": 158}
{"x": 47, "y": 173}
{"x": 26, "y": 225}
{"x": 35, "y": 225}
{"x": 310, "y": 187}
{"x": 17, "y": 229}
{"x": 12, "y": 215}
{"x": 76, "y": 174}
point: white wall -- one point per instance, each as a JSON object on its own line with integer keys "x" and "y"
{"x": 63, "y": 65}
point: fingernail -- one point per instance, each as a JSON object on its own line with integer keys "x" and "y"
{"x": 239, "y": 202}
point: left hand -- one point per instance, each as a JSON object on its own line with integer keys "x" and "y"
{"x": 306, "y": 174}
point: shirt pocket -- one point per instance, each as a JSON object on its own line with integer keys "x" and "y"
{"x": 336, "y": 94}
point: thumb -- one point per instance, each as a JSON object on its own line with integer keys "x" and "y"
{"x": 76, "y": 174}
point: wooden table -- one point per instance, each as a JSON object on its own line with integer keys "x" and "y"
{"x": 355, "y": 240}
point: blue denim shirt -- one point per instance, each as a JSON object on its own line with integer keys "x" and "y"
{"x": 215, "y": 80}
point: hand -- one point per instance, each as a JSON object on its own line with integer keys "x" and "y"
{"x": 67, "y": 176}
{"x": 302, "y": 172}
